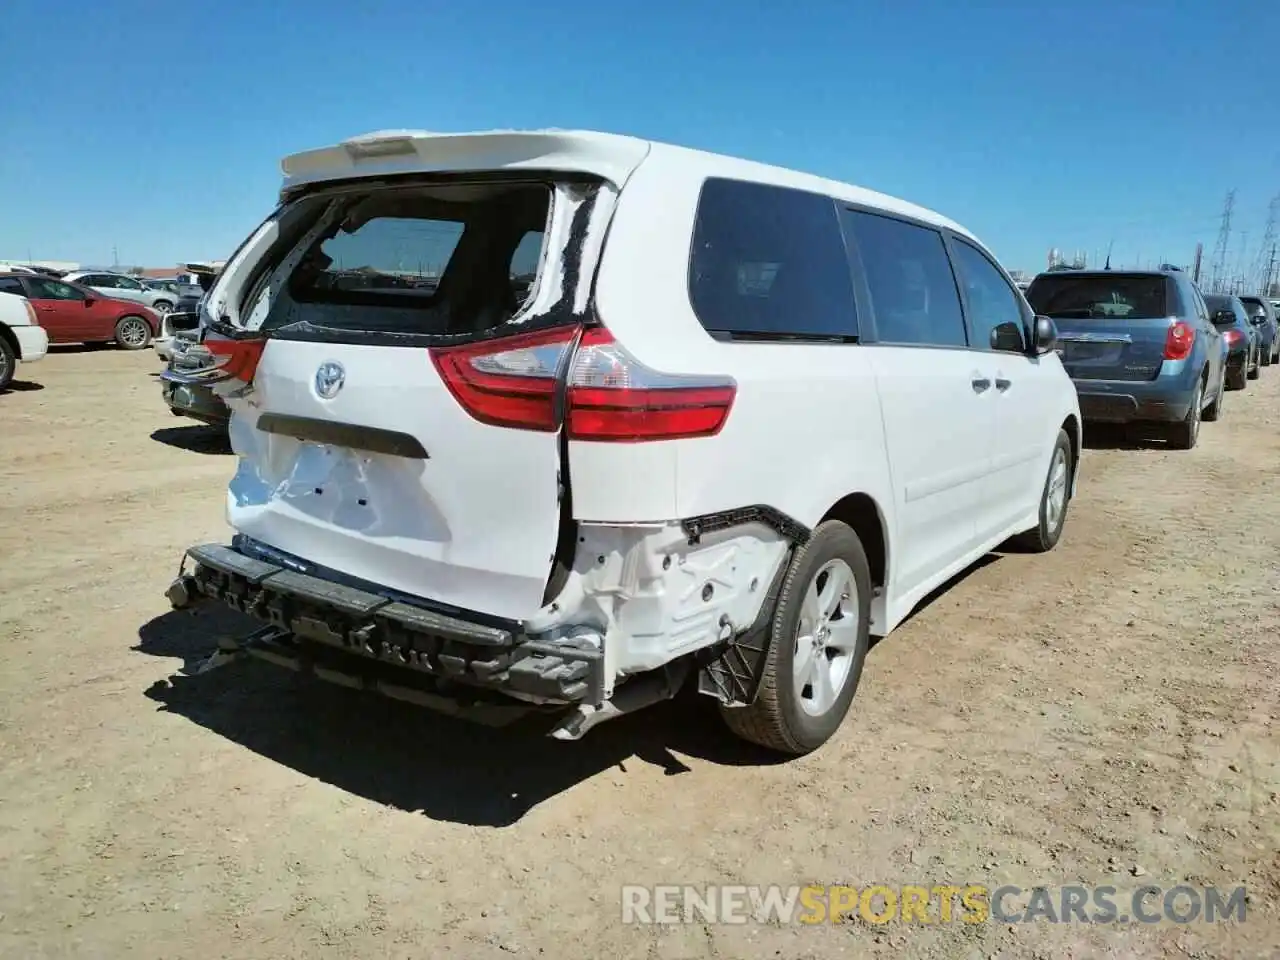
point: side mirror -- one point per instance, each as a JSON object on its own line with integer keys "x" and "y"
{"x": 1007, "y": 337}
{"x": 1044, "y": 336}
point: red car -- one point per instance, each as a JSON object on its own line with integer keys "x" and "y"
{"x": 71, "y": 313}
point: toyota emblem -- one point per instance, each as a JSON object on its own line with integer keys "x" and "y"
{"x": 329, "y": 379}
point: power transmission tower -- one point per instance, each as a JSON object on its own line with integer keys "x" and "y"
{"x": 1262, "y": 268}
{"x": 1237, "y": 275}
{"x": 1220, "y": 248}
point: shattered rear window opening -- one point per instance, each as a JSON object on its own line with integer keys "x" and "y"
{"x": 432, "y": 260}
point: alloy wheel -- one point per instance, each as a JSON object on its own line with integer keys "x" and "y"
{"x": 826, "y": 638}
{"x": 1056, "y": 500}
{"x": 134, "y": 332}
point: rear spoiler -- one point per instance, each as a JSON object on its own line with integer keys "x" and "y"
{"x": 390, "y": 152}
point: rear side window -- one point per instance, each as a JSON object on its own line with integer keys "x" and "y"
{"x": 913, "y": 290}
{"x": 1100, "y": 297}
{"x": 1226, "y": 311}
{"x": 12, "y": 285}
{"x": 1256, "y": 307}
{"x": 770, "y": 262}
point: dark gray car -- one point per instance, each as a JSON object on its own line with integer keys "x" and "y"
{"x": 1139, "y": 346}
{"x": 1262, "y": 314}
{"x": 1244, "y": 355}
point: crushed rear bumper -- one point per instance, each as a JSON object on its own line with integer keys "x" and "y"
{"x": 375, "y": 636}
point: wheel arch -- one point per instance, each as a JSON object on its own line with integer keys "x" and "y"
{"x": 861, "y": 512}
{"x": 11, "y": 339}
{"x": 1072, "y": 427}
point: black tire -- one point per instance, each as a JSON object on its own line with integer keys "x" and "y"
{"x": 776, "y": 719}
{"x": 1236, "y": 379}
{"x": 1044, "y": 536}
{"x": 1214, "y": 410}
{"x": 162, "y": 307}
{"x": 1266, "y": 357}
{"x": 8, "y": 362}
{"x": 129, "y": 335}
{"x": 1183, "y": 435}
{"x": 1256, "y": 369}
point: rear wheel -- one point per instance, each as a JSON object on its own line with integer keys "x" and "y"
{"x": 1183, "y": 435}
{"x": 8, "y": 363}
{"x": 821, "y": 628}
{"x": 133, "y": 333}
{"x": 1257, "y": 365}
{"x": 1054, "y": 499}
{"x": 162, "y": 307}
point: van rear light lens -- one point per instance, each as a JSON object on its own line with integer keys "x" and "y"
{"x": 32, "y": 318}
{"x": 1179, "y": 340}
{"x": 509, "y": 382}
{"x": 236, "y": 359}
{"x": 613, "y": 397}
{"x": 610, "y": 395}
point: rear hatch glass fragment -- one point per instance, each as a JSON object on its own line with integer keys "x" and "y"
{"x": 1112, "y": 326}
{"x": 357, "y": 452}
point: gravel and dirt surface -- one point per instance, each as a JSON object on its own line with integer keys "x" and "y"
{"x": 1108, "y": 713}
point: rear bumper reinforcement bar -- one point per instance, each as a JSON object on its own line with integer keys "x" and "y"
{"x": 430, "y": 645}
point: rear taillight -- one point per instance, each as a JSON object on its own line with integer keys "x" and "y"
{"x": 1179, "y": 340}
{"x": 509, "y": 382}
{"x": 610, "y": 395}
{"x": 31, "y": 313}
{"x": 237, "y": 359}
{"x": 1232, "y": 337}
{"x": 613, "y": 397}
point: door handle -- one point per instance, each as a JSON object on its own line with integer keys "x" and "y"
{"x": 1002, "y": 384}
{"x": 980, "y": 384}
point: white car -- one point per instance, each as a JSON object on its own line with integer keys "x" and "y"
{"x": 575, "y": 419}
{"x": 22, "y": 339}
{"x": 118, "y": 286}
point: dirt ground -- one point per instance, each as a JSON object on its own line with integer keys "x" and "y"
{"x": 1106, "y": 710}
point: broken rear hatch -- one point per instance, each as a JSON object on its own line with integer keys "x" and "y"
{"x": 402, "y": 421}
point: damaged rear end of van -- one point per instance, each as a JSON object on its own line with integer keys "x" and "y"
{"x": 409, "y": 349}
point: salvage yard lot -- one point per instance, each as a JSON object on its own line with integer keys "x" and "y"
{"x": 1109, "y": 709}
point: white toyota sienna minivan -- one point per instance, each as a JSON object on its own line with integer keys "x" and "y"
{"x": 571, "y": 421}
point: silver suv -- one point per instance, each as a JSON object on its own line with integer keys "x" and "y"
{"x": 117, "y": 286}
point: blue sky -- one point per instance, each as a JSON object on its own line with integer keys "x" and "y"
{"x": 145, "y": 127}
